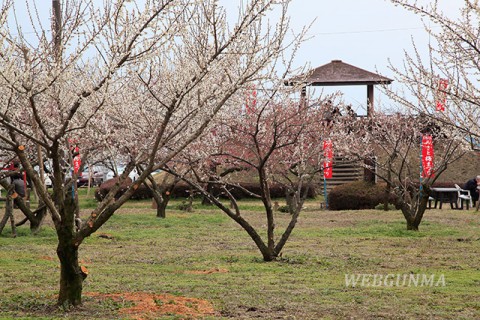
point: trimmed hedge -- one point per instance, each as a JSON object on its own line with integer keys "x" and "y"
{"x": 182, "y": 190}
{"x": 360, "y": 195}
{"x": 276, "y": 191}
{"x": 351, "y": 196}
{"x": 357, "y": 195}
{"x": 448, "y": 184}
{"x": 105, "y": 187}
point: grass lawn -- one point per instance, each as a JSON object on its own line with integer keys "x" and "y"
{"x": 204, "y": 255}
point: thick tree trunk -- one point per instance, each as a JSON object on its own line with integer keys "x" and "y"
{"x": 161, "y": 209}
{"x": 162, "y": 197}
{"x": 411, "y": 217}
{"x": 157, "y": 203}
{"x": 71, "y": 275}
{"x": 161, "y": 193}
{"x": 411, "y": 225}
{"x": 413, "y": 206}
{"x": 162, "y": 202}
{"x": 269, "y": 256}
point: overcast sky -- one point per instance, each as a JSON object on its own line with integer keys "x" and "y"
{"x": 364, "y": 33}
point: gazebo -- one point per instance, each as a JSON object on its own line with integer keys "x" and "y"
{"x": 339, "y": 73}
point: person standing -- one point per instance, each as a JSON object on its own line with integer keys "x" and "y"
{"x": 19, "y": 185}
{"x": 472, "y": 185}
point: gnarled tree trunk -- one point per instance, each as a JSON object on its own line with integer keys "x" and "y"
{"x": 71, "y": 274}
{"x": 413, "y": 211}
{"x": 161, "y": 199}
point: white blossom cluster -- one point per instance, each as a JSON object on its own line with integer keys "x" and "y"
{"x": 445, "y": 86}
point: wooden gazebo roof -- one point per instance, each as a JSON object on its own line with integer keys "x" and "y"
{"x": 338, "y": 73}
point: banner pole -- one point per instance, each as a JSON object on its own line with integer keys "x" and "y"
{"x": 325, "y": 195}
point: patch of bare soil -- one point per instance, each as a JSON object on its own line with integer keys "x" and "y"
{"x": 208, "y": 271}
{"x": 151, "y": 306}
{"x": 47, "y": 258}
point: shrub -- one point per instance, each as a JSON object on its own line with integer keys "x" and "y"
{"x": 105, "y": 187}
{"x": 185, "y": 206}
{"x": 448, "y": 184}
{"x": 357, "y": 195}
{"x": 276, "y": 190}
{"x": 284, "y": 209}
{"x": 142, "y": 192}
{"x": 380, "y": 206}
{"x": 182, "y": 190}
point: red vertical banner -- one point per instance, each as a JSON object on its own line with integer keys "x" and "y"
{"x": 77, "y": 161}
{"x": 328, "y": 162}
{"x": 75, "y": 150}
{"x": 442, "y": 94}
{"x": 427, "y": 156}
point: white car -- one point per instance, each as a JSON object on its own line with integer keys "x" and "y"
{"x": 132, "y": 175}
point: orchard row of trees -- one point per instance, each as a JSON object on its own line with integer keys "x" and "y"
{"x": 163, "y": 85}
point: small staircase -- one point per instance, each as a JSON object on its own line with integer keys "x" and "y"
{"x": 344, "y": 171}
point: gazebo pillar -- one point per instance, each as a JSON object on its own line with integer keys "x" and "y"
{"x": 303, "y": 97}
{"x": 370, "y": 100}
{"x": 370, "y": 174}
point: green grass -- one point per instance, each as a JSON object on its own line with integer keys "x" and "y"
{"x": 157, "y": 256}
